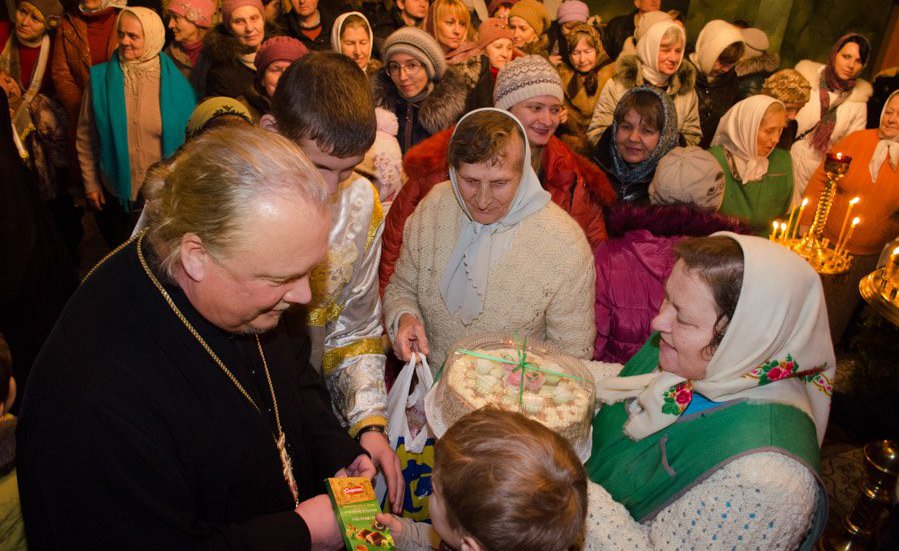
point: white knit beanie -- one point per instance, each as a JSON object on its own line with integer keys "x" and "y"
{"x": 688, "y": 175}
{"x": 418, "y": 44}
{"x": 525, "y": 78}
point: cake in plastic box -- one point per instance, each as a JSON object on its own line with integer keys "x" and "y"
{"x": 557, "y": 391}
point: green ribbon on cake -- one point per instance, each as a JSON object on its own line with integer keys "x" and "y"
{"x": 520, "y": 365}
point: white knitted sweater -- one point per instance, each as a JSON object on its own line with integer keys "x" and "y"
{"x": 761, "y": 501}
{"x": 542, "y": 287}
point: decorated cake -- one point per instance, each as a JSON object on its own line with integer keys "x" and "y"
{"x": 532, "y": 378}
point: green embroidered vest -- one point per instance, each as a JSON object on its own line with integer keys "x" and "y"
{"x": 648, "y": 475}
{"x": 759, "y": 202}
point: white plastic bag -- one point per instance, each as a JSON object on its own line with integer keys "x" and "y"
{"x": 399, "y": 401}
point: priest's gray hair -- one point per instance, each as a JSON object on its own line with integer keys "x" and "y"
{"x": 210, "y": 186}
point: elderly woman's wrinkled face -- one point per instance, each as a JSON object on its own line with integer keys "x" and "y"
{"x": 848, "y": 62}
{"x": 408, "y": 74}
{"x": 488, "y": 188}
{"x": 131, "y": 38}
{"x": 635, "y": 140}
{"x": 183, "y": 31}
{"x": 248, "y": 26}
{"x": 523, "y": 31}
{"x": 770, "y": 129}
{"x": 670, "y": 54}
{"x": 499, "y": 52}
{"x": 583, "y": 56}
{"x": 686, "y": 324}
{"x": 355, "y": 43}
{"x": 889, "y": 122}
{"x": 273, "y": 74}
{"x": 30, "y": 22}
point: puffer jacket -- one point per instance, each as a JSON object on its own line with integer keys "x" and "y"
{"x": 575, "y": 184}
{"x": 633, "y": 265}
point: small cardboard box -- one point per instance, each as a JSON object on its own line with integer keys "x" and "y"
{"x": 355, "y": 506}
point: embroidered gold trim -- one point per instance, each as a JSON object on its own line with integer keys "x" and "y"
{"x": 332, "y": 358}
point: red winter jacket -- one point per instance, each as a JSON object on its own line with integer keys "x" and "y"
{"x": 575, "y": 184}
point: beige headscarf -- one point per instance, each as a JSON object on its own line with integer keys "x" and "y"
{"x": 738, "y": 132}
{"x": 337, "y": 29}
{"x": 154, "y": 40}
{"x": 777, "y": 348}
{"x": 712, "y": 40}
{"x": 886, "y": 148}
{"x": 648, "y": 52}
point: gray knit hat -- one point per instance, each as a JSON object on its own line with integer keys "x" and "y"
{"x": 418, "y": 44}
{"x": 689, "y": 175}
{"x": 525, "y": 78}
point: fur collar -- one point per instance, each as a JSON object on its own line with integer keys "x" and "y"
{"x": 811, "y": 70}
{"x": 628, "y": 71}
{"x": 439, "y": 110}
{"x": 765, "y": 63}
{"x": 668, "y": 220}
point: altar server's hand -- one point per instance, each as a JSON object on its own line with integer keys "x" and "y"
{"x": 361, "y": 466}
{"x": 376, "y": 444}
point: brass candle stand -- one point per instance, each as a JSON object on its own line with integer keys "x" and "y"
{"x": 813, "y": 246}
{"x": 880, "y": 288}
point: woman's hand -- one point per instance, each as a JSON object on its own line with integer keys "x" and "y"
{"x": 95, "y": 199}
{"x": 410, "y": 337}
{"x": 376, "y": 444}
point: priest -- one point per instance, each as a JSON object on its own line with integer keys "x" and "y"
{"x": 173, "y": 405}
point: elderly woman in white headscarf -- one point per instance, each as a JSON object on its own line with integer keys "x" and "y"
{"x": 351, "y": 36}
{"x": 758, "y": 177}
{"x": 710, "y": 437}
{"x": 658, "y": 63}
{"x": 481, "y": 252}
{"x": 133, "y": 114}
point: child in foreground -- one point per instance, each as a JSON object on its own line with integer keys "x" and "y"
{"x": 501, "y": 482}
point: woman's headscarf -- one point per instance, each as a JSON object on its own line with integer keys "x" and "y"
{"x": 648, "y": 52}
{"x": 738, "y": 132}
{"x": 627, "y": 173}
{"x": 830, "y": 82}
{"x": 337, "y": 29}
{"x": 154, "y": 33}
{"x": 478, "y": 247}
{"x": 713, "y": 39}
{"x": 777, "y": 348}
{"x": 887, "y": 148}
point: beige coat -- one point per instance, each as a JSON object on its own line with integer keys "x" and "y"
{"x": 543, "y": 287}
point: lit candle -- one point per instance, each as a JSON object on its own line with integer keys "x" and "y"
{"x": 783, "y": 232}
{"x": 795, "y": 232}
{"x": 774, "y": 227}
{"x": 852, "y": 203}
{"x": 855, "y": 222}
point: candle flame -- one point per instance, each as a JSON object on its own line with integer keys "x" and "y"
{"x": 805, "y": 201}
{"x": 854, "y": 201}
{"x": 896, "y": 251}
{"x": 856, "y": 220}
{"x": 775, "y": 225}
{"x": 783, "y": 226}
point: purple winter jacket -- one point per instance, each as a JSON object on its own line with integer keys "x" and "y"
{"x": 633, "y": 265}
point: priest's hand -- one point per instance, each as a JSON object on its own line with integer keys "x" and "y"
{"x": 319, "y": 517}
{"x": 410, "y": 337}
{"x": 361, "y": 466}
{"x": 377, "y": 445}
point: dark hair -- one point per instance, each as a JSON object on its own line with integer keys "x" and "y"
{"x": 646, "y": 104}
{"x": 5, "y": 369}
{"x": 732, "y": 54}
{"x": 511, "y": 483}
{"x": 326, "y": 98}
{"x": 481, "y": 137}
{"x": 864, "y": 48}
{"x": 717, "y": 260}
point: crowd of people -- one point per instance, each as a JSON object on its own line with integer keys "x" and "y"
{"x": 299, "y": 196}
